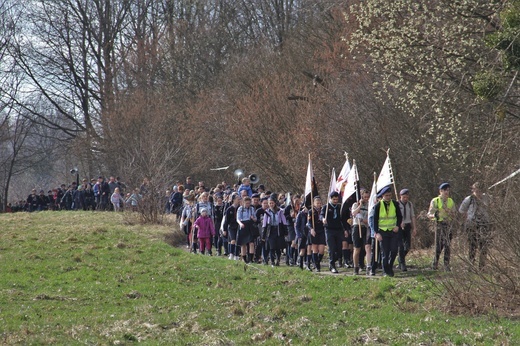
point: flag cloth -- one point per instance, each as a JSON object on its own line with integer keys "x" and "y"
{"x": 311, "y": 188}
{"x": 351, "y": 191}
{"x": 386, "y": 176}
{"x": 373, "y": 196}
{"x": 342, "y": 177}
{"x": 332, "y": 186}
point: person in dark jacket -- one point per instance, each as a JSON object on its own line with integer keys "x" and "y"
{"x": 42, "y": 201}
{"x": 33, "y": 201}
{"x": 231, "y": 226}
{"x": 334, "y": 229}
{"x": 61, "y": 192}
{"x": 262, "y": 247}
{"x": 104, "y": 192}
{"x": 89, "y": 198}
{"x": 220, "y": 241}
{"x": 317, "y": 232}
{"x": 304, "y": 247}
{"x": 176, "y": 201}
{"x": 273, "y": 227}
{"x": 68, "y": 199}
{"x": 50, "y": 200}
{"x": 291, "y": 211}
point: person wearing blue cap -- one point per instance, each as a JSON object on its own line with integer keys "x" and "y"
{"x": 408, "y": 227}
{"x": 442, "y": 210}
{"x": 387, "y": 218}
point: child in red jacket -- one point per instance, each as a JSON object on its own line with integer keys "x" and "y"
{"x": 205, "y": 230}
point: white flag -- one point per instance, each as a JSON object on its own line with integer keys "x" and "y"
{"x": 332, "y": 186}
{"x": 373, "y": 197}
{"x": 386, "y": 176}
{"x": 342, "y": 177}
{"x": 311, "y": 188}
{"x": 351, "y": 186}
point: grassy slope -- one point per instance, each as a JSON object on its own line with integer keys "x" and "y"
{"x": 86, "y": 278}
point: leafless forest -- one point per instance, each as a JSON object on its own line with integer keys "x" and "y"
{"x": 169, "y": 88}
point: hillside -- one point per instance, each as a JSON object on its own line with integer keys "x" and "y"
{"x": 92, "y": 278}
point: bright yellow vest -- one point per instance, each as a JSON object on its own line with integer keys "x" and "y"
{"x": 443, "y": 213}
{"x": 387, "y": 221}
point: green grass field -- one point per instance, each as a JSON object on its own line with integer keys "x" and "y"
{"x": 83, "y": 278}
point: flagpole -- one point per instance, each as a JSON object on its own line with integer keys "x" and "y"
{"x": 375, "y": 239}
{"x": 312, "y": 198}
{"x": 327, "y": 208}
{"x": 392, "y": 173}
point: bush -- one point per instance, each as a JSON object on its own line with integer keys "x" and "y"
{"x": 495, "y": 287}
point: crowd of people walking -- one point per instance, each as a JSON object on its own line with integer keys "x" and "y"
{"x": 96, "y": 194}
{"x": 258, "y": 226}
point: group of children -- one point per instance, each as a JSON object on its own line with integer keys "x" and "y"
{"x": 260, "y": 228}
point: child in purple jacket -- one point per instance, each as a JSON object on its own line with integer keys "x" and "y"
{"x": 205, "y": 230}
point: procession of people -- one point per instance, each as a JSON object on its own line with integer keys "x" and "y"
{"x": 258, "y": 226}
{"x": 356, "y": 228}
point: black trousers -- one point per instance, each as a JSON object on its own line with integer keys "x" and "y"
{"x": 404, "y": 242}
{"x": 334, "y": 239}
{"x": 388, "y": 250}
{"x": 443, "y": 237}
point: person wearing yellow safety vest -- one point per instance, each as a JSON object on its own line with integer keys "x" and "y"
{"x": 442, "y": 210}
{"x": 387, "y": 218}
